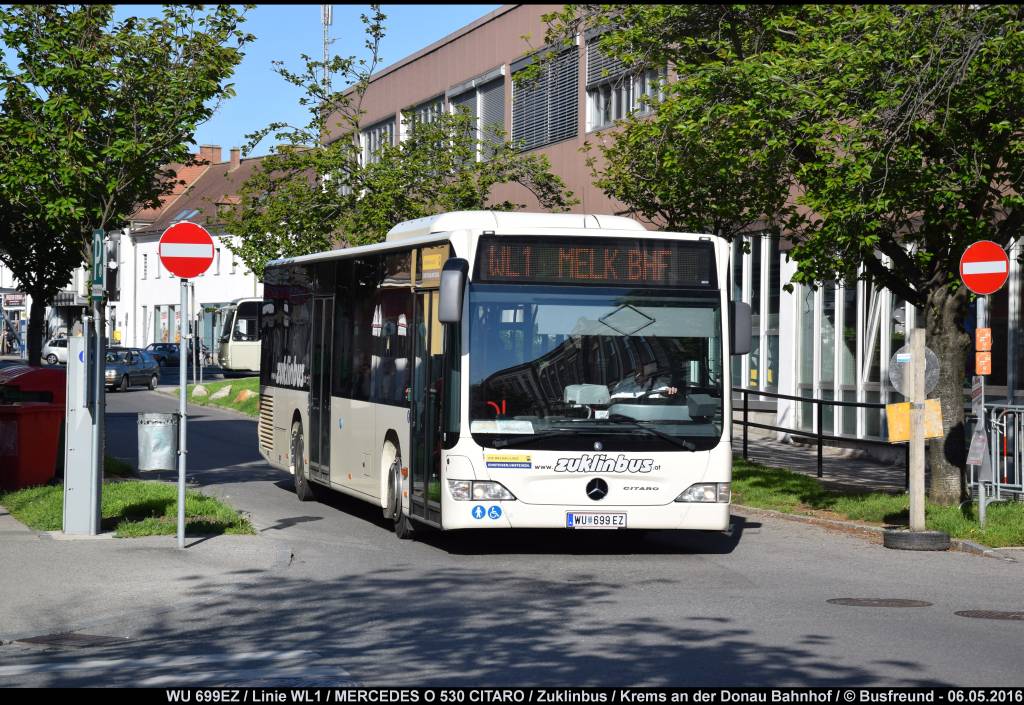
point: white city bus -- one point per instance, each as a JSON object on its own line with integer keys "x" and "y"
{"x": 238, "y": 348}
{"x": 486, "y": 370}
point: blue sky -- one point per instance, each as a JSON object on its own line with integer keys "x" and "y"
{"x": 283, "y": 32}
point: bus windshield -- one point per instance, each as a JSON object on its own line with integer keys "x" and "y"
{"x": 227, "y": 317}
{"x": 555, "y": 367}
{"x": 240, "y": 322}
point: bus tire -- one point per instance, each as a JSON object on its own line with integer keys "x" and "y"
{"x": 403, "y": 524}
{"x": 302, "y": 487}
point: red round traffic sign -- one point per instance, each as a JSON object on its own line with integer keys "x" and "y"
{"x": 984, "y": 267}
{"x": 186, "y": 249}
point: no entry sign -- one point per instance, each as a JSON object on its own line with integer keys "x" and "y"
{"x": 984, "y": 267}
{"x": 186, "y": 249}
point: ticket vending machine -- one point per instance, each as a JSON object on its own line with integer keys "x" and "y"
{"x": 81, "y": 482}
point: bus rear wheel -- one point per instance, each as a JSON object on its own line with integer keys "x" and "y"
{"x": 302, "y": 488}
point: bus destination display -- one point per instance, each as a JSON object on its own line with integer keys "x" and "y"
{"x": 654, "y": 263}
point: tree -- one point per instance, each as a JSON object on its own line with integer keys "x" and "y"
{"x": 93, "y": 111}
{"x": 315, "y": 192}
{"x": 888, "y": 137}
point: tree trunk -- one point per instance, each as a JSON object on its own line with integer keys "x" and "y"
{"x": 36, "y": 323}
{"x": 946, "y": 337}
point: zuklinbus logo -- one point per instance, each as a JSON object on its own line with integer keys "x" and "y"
{"x": 290, "y": 373}
{"x": 602, "y": 463}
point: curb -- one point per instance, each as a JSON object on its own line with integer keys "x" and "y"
{"x": 872, "y": 532}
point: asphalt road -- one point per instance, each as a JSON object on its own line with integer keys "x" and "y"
{"x": 355, "y": 604}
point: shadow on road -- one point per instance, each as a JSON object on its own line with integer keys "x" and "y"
{"x": 476, "y": 625}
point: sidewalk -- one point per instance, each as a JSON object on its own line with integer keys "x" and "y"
{"x": 53, "y": 584}
{"x": 841, "y": 468}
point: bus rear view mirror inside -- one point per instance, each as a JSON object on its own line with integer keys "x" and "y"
{"x": 742, "y": 327}
{"x": 453, "y": 287}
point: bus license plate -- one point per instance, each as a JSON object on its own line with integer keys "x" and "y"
{"x": 595, "y": 520}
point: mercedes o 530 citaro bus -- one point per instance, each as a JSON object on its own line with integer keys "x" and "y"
{"x": 483, "y": 370}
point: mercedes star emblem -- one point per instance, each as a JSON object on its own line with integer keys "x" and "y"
{"x": 597, "y": 489}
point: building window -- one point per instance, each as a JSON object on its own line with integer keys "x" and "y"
{"x": 375, "y": 138}
{"x": 425, "y": 112}
{"x": 614, "y": 91}
{"x": 483, "y": 98}
{"x": 546, "y": 110}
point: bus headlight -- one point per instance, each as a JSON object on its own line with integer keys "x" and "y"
{"x": 706, "y": 492}
{"x": 490, "y": 490}
{"x": 461, "y": 489}
{"x": 478, "y": 490}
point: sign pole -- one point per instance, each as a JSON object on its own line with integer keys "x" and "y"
{"x": 917, "y": 365}
{"x": 982, "y": 316}
{"x": 186, "y": 251}
{"x": 98, "y": 288}
{"x": 182, "y": 419}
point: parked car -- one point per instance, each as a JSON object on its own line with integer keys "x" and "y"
{"x": 127, "y": 367}
{"x": 164, "y": 353}
{"x": 56, "y": 350}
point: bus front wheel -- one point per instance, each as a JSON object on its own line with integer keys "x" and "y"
{"x": 403, "y": 525}
{"x": 302, "y": 489}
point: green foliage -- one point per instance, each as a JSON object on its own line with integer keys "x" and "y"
{"x": 313, "y": 193}
{"x": 883, "y": 136}
{"x": 93, "y": 111}
{"x": 131, "y": 508}
{"x": 782, "y": 490}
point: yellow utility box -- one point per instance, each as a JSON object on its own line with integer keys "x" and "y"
{"x": 898, "y": 416}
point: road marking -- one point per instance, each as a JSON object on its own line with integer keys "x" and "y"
{"x": 162, "y": 662}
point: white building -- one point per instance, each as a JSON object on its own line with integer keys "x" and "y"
{"x": 144, "y": 301}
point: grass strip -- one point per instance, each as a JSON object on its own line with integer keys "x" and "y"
{"x": 250, "y": 406}
{"x": 790, "y": 492}
{"x": 130, "y": 508}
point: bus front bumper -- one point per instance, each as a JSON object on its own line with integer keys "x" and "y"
{"x": 711, "y": 516}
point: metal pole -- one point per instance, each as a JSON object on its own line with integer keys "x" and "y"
{"x": 820, "y": 439}
{"x": 99, "y": 409}
{"x": 917, "y": 363}
{"x": 745, "y": 397}
{"x": 981, "y": 304}
{"x": 182, "y": 418}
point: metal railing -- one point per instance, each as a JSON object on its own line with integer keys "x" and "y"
{"x": 1006, "y": 432}
{"x": 816, "y": 434}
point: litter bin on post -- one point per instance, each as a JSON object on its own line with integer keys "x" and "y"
{"x": 158, "y": 441}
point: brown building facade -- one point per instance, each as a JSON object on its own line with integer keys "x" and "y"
{"x": 473, "y": 68}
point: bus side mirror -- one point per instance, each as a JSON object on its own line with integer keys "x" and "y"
{"x": 453, "y": 286}
{"x": 742, "y": 327}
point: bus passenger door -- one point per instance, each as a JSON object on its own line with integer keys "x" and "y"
{"x": 425, "y": 458}
{"x": 320, "y": 389}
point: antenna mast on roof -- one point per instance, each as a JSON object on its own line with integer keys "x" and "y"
{"x": 327, "y": 17}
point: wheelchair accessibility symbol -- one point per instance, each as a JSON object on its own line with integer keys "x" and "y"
{"x": 494, "y": 512}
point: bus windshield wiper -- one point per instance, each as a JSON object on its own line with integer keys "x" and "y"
{"x": 681, "y": 442}
{"x": 505, "y": 443}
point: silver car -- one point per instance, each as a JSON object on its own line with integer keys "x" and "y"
{"x": 128, "y": 367}
{"x": 56, "y": 350}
